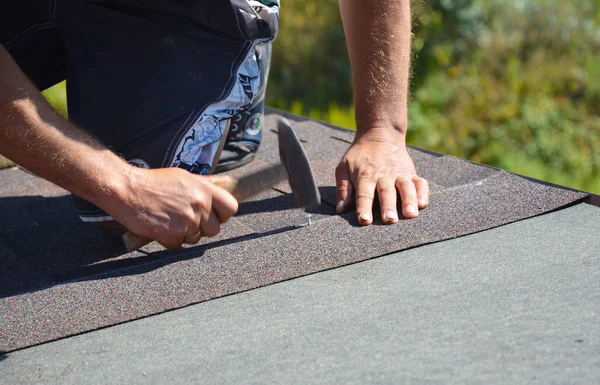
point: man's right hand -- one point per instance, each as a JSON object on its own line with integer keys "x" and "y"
{"x": 171, "y": 206}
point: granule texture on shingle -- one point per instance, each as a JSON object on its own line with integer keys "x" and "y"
{"x": 282, "y": 212}
{"x": 17, "y": 182}
{"x": 449, "y": 171}
{"x": 497, "y": 307}
{"x": 62, "y": 277}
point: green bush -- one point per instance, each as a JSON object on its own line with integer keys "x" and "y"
{"x": 525, "y": 97}
{"x": 310, "y": 61}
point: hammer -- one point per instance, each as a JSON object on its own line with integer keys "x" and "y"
{"x": 294, "y": 166}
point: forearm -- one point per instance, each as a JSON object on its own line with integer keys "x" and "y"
{"x": 34, "y": 136}
{"x": 378, "y": 34}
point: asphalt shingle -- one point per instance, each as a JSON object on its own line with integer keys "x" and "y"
{"x": 70, "y": 277}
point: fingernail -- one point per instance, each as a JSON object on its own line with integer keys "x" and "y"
{"x": 365, "y": 217}
{"x": 410, "y": 209}
{"x": 340, "y": 206}
{"x": 391, "y": 215}
{"x": 423, "y": 202}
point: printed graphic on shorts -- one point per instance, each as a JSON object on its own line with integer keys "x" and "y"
{"x": 195, "y": 146}
{"x": 138, "y": 163}
{"x": 199, "y": 144}
{"x": 266, "y": 14}
{"x": 246, "y": 82}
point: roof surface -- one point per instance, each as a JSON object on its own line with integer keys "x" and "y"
{"x": 513, "y": 305}
{"x": 60, "y": 277}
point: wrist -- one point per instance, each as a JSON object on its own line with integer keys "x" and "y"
{"x": 114, "y": 190}
{"x": 382, "y": 115}
{"x": 382, "y": 134}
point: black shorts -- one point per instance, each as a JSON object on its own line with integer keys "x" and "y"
{"x": 155, "y": 81}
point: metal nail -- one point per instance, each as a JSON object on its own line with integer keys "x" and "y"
{"x": 308, "y": 216}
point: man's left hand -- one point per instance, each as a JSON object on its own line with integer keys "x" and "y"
{"x": 378, "y": 163}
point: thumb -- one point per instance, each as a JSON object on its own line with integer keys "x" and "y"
{"x": 224, "y": 181}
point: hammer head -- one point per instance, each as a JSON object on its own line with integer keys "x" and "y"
{"x": 300, "y": 175}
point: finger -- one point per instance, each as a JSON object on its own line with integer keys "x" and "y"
{"x": 194, "y": 238}
{"x": 422, "y": 187}
{"x": 344, "y": 188}
{"x": 176, "y": 234}
{"x": 223, "y": 181}
{"x": 193, "y": 233}
{"x": 173, "y": 241}
{"x": 386, "y": 190}
{"x": 224, "y": 205}
{"x": 210, "y": 226}
{"x": 408, "y": 196}
{"x": 365, "y": 194}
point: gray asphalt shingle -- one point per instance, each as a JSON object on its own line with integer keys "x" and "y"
{"x": 513, "y": 305}
{"x": 70, "y": 277}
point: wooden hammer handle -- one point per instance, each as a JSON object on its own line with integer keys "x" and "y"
{"x": 133, "y": 241}
{"x": 252, "y": 184}
{"x": 242, "y": 189}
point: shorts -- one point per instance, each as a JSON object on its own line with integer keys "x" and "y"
{"x": 157, "y": 82}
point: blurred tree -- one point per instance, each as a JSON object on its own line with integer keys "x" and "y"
{"x": 443, "y": 30}
{"x": 310, "y": 61}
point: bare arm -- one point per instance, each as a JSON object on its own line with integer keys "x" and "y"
{"x": 378, "y": 39}
{"x": 39, "y": 139}
{"x": 168, "y": 205}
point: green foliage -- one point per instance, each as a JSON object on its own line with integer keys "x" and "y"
{"x": 310, "y": 61}
{"x": 525, "y": 96}
{"x": 443, "y": 31}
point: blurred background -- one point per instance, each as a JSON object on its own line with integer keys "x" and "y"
{"x": 508, "y": 83}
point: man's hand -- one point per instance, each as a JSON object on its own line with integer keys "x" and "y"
{"x": 377, "y": 163}
{"x": 172, "y": 206}
{"x": 378, "y": 34}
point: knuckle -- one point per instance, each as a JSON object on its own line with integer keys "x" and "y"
{"x": 365, "y": 195}
{"x": 365, "y": 180}
{"x": 341, "y": 188}
{"x": 199, "y": 201}
{"x": 226, "y": 179}
{"x": 367, "y": 173}
{"x": 387, "y": 189}
{"x": 368, "y": 168}
{"x": 405, "y": 183}
{"x": 189, "y": 216}
{"x": 420, "y": 181}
